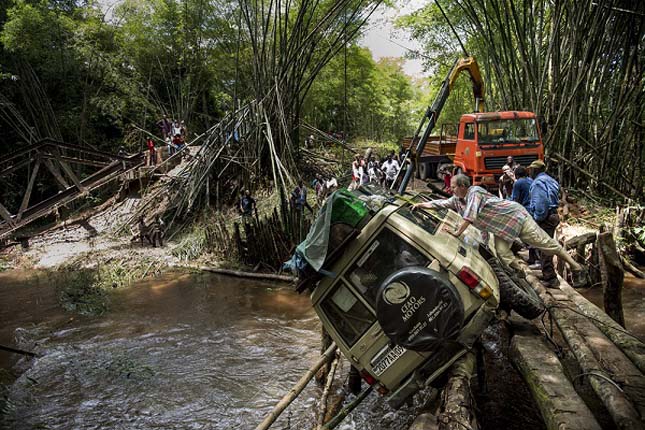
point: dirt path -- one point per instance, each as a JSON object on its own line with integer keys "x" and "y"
{"x": 100, "y": 238}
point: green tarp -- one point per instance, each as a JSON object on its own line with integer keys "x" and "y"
{"x": 340, "y": 207}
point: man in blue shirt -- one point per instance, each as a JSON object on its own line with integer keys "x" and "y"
{"x": 521, "y": 188}
{"x": 521, "y": 194}
{"x": 545, "y": 198}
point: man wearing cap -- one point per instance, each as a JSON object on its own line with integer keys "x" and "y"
{"x": 506, "y": 182}
{"x": 505, "y": 219}
{"x": 545, "y": 197}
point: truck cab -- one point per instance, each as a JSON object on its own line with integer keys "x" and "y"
{"x": 485, "y": 140}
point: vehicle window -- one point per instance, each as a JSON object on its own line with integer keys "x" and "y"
{"x": 507, "y": 130}
{"x": 350, "y": 317}
{"x": 385, "y": 255}
{"x": 469, "y": 131}
{"x": 427, "y": 221}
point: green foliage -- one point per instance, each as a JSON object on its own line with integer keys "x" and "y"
{"x": 86, "y": 290}
{"x": 639, "y": 234}
{"x": 380, "y": 97}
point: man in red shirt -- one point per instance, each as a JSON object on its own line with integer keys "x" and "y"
{"x": 153, "y": 152}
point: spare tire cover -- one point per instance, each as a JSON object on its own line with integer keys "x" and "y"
{"x": 419, "y": 309}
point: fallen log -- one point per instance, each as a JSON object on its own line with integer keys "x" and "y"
{"x": 627, "y": 264}
{"x": 631, "y": 346}
{"x": 561, "y": 407}
{"x": 621, "y": 409}
{"x": 457, "y": 410}
{"x": 297, "y": 389}
{"x": 580, "y": 240}
{"x": 240, "y": 274}
{"x": 562, "y": 311}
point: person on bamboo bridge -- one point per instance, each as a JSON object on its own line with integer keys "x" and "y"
{"x": 505, "y": 219}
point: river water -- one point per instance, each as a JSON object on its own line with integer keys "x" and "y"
{"x": 182, "y": 351}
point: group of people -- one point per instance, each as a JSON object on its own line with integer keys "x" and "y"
{"x": 530, "y": 216}
{"x": 297, "y": 199}
{"x": 174, "y": 133}
{"x": 375, "y": 170}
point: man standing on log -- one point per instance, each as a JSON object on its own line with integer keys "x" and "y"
{"x": 505, "y": 219}
{"x": 545, "y": 198}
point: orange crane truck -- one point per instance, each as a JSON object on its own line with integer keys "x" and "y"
{"x": 481, "y": 143}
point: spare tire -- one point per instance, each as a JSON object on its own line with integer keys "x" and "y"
{"x": 419, "y": 309}
{"x": 516, "y": 292}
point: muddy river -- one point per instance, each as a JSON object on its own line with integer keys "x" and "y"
{"x": 177, "y": 352}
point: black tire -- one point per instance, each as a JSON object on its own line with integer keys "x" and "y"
{"x": 424, "y": 170}
{"x": 517, "y": 293}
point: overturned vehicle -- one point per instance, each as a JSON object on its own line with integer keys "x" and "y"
{"x": 402, "y": 298}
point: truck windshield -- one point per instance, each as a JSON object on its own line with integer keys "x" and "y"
{"x": 507, "y": 131}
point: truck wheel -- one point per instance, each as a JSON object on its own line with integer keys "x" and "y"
{"x": 516, "y": 293}
{"x": 438, "y": 172}
{"x": 424, "y": 171}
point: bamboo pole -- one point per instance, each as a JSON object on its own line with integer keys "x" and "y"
{"x": 347, "y": 409}
{"x": 240, "y": 274}
{"x": 325, "y": 394}
{"x": 297, "y": 389}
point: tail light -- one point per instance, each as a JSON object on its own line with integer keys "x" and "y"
{"x": 473, "y": 282}
{"x": 367, "y": 377}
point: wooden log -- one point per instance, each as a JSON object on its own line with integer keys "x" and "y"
{"x": 457, "y": 410}
{"x": 580, "y": 240}
{"x": 631, "y": 268}
{"x": 616, "y": 364}
{"x": 325, "y": 395}
{"x": 631, "y": 346}
{"x": 425, "y": 421}
{"x": 559, "y": 404}
{"x": 240, "y": 274}
{"x": 562, "y": 311}
{"x": 621, "y": 409}
{"x": 612, "y": 290}
{"x": 297, "y": 389}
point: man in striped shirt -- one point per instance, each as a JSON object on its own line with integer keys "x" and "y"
{"x": 505, "y": 219}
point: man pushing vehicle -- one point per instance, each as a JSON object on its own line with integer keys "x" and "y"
{"x": 505, "y": 219}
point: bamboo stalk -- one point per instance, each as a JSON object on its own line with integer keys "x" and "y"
{"x": 323, "y": 399}
{"x": 297, "y": 389}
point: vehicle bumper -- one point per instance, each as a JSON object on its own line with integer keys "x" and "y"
{"x": 431, "y": 369}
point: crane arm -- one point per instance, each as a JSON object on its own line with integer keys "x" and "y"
{"x": 468, "y": 64}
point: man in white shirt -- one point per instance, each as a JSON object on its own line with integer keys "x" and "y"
{"x": 391, "y": 168}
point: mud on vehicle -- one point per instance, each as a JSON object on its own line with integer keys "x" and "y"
{"x": 402, "y": 298}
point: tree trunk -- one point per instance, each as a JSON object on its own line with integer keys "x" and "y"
{"x": 612, "y": 290}
{"x": 560, "y": 405}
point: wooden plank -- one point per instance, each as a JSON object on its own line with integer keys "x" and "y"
{"x": 54, "y": 171}
{"x": 30, "y": 186}
{"x": 559, "y": 404}
{"x": 71, "y": 175}
{"x": 4, "y": 213}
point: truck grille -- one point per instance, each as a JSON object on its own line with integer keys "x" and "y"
{"x": 496, "y": 163}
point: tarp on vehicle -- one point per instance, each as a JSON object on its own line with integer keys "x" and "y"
{"x": 341, "y": 207}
